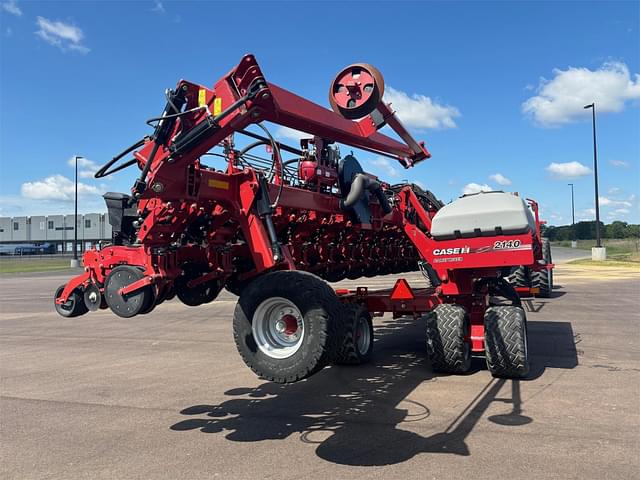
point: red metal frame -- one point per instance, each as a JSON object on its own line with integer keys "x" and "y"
{"x": 316, "y": 234}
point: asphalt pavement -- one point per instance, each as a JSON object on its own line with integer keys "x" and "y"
{"x": 564, "y": 254}
{"x": 166, "y": 396}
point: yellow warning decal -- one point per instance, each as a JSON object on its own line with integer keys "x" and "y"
{"x": 217, "y": 106}
{"x": 221, "y": 184}
{"x": 202, "y": 97}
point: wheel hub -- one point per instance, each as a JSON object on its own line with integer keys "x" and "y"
{"x": 278, "y": 327}
{"x": 92, "y": 297}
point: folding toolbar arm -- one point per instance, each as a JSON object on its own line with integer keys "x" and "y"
{"x": 244, "y": 97}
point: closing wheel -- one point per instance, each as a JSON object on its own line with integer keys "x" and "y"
{"x": 202, "y": 293}
{"x": 131, "y": 304}
{"x": 357, "y": 343}
{"x": 505, "y": 340}
{"x": 356, "y": 91}
{"x": 448, "y": 346}
{"x": 286, "y": 325}
{"x": 73, "y": 307}
{"x": 93, "y": 299}
{"x": 335, "y": 274}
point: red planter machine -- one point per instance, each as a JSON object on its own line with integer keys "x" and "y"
{"x": 272, "y": 229}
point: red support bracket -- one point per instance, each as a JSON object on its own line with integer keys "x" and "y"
{"x": 143, "y": 282}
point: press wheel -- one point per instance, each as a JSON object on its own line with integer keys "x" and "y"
{"x": 131, "y": 304}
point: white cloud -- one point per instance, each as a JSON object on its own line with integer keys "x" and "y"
{"x": 620, "y": 211}
{"x": 158, "y": 7}
{"x": 17, "y": 205}
{"x": 586, "y": 215}
{"x": 420, "y": 112}
{"x": 500, "y": 179}
{"x": 475, "y": 188}
{"x": 568, "y": 170}
{"x": 620, "y": 163}
{"x": 291, "y": 134}
{"x": 86, "y": 168}
{"x": 614, "y": 191}
{"x": 385, "y": 165}
{"x": 562, "y": 99}
{"x": 607, "y": 202}
{"x": 56, "y": 187}
{"x": 61, "y": 35}
{"x": 12, "y": 7}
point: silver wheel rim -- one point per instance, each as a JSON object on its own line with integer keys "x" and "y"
{"x": 363, "y": 336}
{"x": 278, "y": 327}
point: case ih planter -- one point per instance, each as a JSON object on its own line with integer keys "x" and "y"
{"x": 274, "y": 230}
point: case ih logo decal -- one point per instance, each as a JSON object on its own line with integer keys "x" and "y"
{"x": 502, "y": 245}
{"x": 451, "y": 251}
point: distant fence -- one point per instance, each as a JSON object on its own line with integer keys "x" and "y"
{"x": 47, "y": 248}
{"x": 27, "y": 249}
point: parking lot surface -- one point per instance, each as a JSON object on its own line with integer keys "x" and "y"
{"x": 165, "y": 395}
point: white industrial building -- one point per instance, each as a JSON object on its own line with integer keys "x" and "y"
{"x": 55, "y": 229}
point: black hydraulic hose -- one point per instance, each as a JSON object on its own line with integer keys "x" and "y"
{"x": 382, "y": 199}
{"x": 358, "y": 186}
{"x": 356, "y": 191}
{"x": 126, "y": 164}
{"x": 253, "y": 145}
{"x": 140, "y": 185}
{"x": 281, "y": 146}
{"x": 175, "y": 115}
{"x": 103, "y": 171}
{"x": 175, "y": 101}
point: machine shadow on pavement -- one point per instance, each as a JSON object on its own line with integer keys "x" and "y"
{"x": 357, "y": 415}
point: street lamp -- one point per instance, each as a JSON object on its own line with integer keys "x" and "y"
{"x": 75, "y": 262}
{"x": 574, "y": 242}
{"x": 597, "y": 253}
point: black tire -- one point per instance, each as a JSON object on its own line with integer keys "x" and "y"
{"x": 235, "y": 286}
{"x": 519, "y": 277}
{"x": 357, "y": 342}
{"x": 320, "y": 311}
{"x": 447, "y": 349}
{"x": 73, "y": 307}
{"x": 505, "y": 339}
{"x": 195, "y": 296}
{"x": 151, "y": 301}
{"x": 543, "y": 280}
{"x": 546, "y": 250}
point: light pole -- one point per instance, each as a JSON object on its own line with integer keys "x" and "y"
{"x": 574, "y": 242}
{"x": 597, "y": 253}
{"x": 74, "y": 261}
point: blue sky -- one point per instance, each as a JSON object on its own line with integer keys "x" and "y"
{"x": 495, "y": 89}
